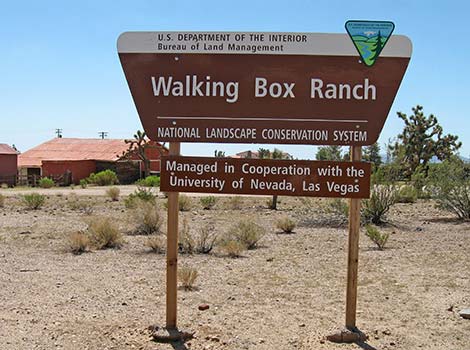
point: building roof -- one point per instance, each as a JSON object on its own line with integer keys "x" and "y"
{"x": 6, "y": 149}
{"x": 73, "y": 149}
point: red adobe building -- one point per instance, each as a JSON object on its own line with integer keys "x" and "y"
{"x": 8, "y": 164}
{"x": 81, "y": 157}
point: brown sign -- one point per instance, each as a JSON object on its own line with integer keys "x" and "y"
{"x": 260, "y": 87}
{"x": 265, "y": 177}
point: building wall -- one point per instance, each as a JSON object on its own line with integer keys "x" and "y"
{"x": 80, "y": 169}
{"x": 8, "y": 168}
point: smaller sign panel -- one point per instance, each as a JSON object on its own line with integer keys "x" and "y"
{"x": 369, "y": 38}
{"x": 266, "y": 177}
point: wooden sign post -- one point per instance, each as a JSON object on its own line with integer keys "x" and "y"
{"x": 172, "y": 252}
{"x": 353, "y": 250}
{"x": 265, "y": 88}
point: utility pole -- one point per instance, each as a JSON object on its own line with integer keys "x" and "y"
{"x": 103, "y": 134}
{"x": 59, "y": 133}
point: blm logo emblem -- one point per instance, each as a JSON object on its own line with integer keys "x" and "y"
{"x": 369, "y": 38}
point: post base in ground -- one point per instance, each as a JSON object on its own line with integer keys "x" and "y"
{"x": 169, "y": 335}
{"x": 347, "y": 335}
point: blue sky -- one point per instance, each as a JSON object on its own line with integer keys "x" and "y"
{"x": 60, "y": 69}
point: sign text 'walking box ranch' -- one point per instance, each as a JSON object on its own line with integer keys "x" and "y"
{"x": 281, "y": 88}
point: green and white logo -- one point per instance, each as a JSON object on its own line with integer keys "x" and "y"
{"x": 369, "y": 38}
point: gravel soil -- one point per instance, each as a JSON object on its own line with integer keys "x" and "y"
{"x": 289, "y": 293}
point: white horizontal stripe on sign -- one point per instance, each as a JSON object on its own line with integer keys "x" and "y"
{"x": 253, "y": 43}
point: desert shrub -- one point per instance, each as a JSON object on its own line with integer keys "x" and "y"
{"x": 147, "y": 218}
{"x": 156, "y": 243}
{"x": 338, "y": 207}
{"x": 286, "y": 224}
{"x": 103, "y": 178}
{"x": 78, "y": 243}
{"x": 187, "y": 276}
{"x": 2, "y": 200}
{"x": 202, "y": 242}
{"x": 247, "y": 232}
{"x": 375, "y": 208}
{"x": 235, "y": 203}
{"x": 208, "y": 202}
{"x": 205, "y": 240}
{"x": 140, "y": 194}
{"x": 113, "y": 193}
{"x": 232, "y": 247}
{"x": 450, "y": 182}
{"x": 186, "y": 243}
{"x": 46, "y": 182}
{"x": 75, "y": 203}
{"x": 83, "y": 183}
{"x": 184, "y": 203}
{"x": 33, "y": 200}
{"x": 379, "y": 238}
{"x": 407, "y": 194}
{"x": 104, "y": 233}
{"x": 149, "y": 181}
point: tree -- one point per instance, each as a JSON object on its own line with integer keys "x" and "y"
{"x": 372, "y": 154}
{"x": 329, "y": 153}
{"x": 138, "y": 145}
{"x": 377, "y": 47}
{"x": 422, "y": 139}
{"x": 264, "y": 153}
{"x": 219, "y": 154}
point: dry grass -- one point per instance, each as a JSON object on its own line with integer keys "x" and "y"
{"x": 235, "y": 203}
{"x": 247, "y": 232}
{"x": 146, "y": 218}
{"x": 113, "y": 193}
{"x": 157, "y": 244}
{"x": 187, "y": 277}
{"x": 78, "y": 243}
{"x": 2, "y": 200}
{"x": 186, "y": 243}
{"x": 104, "y": 233}
{"x": 208, "y": 202}
{"x": 286, "y": 224}
{"x": 83, "y": 205}
{"x": 184, "y": 203}
{"x": 231, "y": 247}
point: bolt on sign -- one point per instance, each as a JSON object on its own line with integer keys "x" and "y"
{"x": 281, "y": 88}
{"x": 265, "y": 177}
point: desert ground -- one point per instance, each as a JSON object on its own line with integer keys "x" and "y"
{"x": 289, "y": 293}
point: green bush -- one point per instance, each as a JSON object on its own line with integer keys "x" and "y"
{"x": 46, "y": 182}
{"x": 149, "y": 181}
{"x": 141, "y": 194}
{"x": 208, "y": 202}
{"x": 379, "y": 238}
{"x": 407, "y": 194}
{"x": 33, "y": 200}
{"x": 450, "y": 184}
{"x": 375, "y": 208}
{"x": 83, "y": 183}
{"x": 103, "y": 178}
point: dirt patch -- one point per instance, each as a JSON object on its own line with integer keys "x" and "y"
{"x": 287, "y": 294}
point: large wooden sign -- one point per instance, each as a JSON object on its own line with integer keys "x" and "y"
{"x": 296, "y": 88}
{"x": 266, "y": 177}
